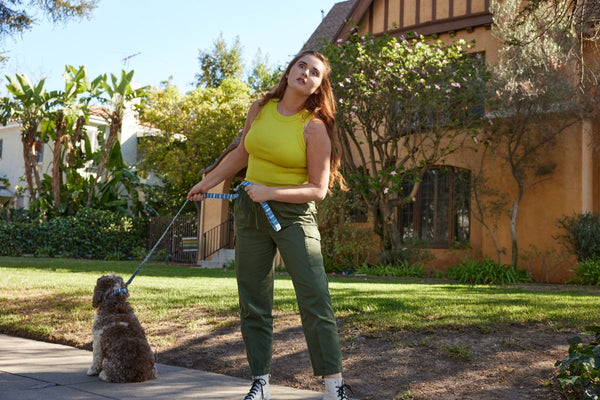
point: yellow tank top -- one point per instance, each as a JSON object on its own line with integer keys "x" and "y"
{"x": 276, "y": 147}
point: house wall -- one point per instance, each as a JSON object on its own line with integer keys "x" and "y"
{"x": 10, "y": 167}
{"x": 574, "y": 185}
{"x": 423, "y": 16}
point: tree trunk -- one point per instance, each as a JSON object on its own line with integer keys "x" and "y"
{"x": 27, "y": 159}
{"x": 391, "y": 233}
{"x": 115, "y": 127}
{"x": 56, "y": 171}
{"x": 513, "y": 225}
{"x": 71, "y": 156}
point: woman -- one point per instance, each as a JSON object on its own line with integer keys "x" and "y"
{"x": 291, "y": 153}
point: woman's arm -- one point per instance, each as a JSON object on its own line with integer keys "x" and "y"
{"x": 318, "y": 153}
{"x": 230, "y": 165}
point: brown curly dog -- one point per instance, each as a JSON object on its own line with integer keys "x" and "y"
{"x": 121, "y": 352}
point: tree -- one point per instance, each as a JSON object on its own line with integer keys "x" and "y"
{"x": 60, "y": 117}
{"x": 532, "y": 99}
{"x": 120, "y": 93}
{"x": 262, "y": 77}
{"x": 192, "y": 131}
{"x": 64, "y": 125}
{"x": 404, "y": 105}
{"x": 220, "y": 63}
{"x": 28, "y": 104}
{"x": 16, "y": 16}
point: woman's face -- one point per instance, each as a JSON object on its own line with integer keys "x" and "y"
{"x": 306, "y": 74}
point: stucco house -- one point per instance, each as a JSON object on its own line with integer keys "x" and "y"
{"x": 11, "y": 153}
{"x": 572, "y": 187}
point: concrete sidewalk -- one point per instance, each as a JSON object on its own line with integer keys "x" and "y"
{"x": 32, "y": 370}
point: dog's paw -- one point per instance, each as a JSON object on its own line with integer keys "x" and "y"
{"x": 92, "y": 371}
{"x": 103, "y": 376}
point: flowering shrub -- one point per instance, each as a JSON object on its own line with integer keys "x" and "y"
{"x": 404, "y": 105}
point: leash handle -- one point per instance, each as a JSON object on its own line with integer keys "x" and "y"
{"x": 156, "y": 244}
{"x": 267, "y": 209}
{"x": 265, "y": 206}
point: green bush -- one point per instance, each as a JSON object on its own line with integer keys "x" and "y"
{"x": 413, "y": 250}
{"x": 582, "y": 235}
{"x": 587, "y": 273}
{"x": 343, "y": 245}
{"x": 487, "y": 272}
{"x": 402, "y": 270}
{"x": 579, "y": 376}
{"x": 90, "y": 233}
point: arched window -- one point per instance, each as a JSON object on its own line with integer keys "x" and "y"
{"x": 440, "y": 213}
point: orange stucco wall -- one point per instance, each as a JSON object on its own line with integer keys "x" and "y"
{"x": 573, "y": 186}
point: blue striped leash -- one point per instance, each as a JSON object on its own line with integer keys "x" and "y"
{"x": 268, "y": 212}
{"x": 152, "y": 250}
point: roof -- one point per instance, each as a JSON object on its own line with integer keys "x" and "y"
{"x": 331, "y": 25}
{"x": 100, "y": 111}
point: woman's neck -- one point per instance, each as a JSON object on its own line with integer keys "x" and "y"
{"x": 290, "y": 103}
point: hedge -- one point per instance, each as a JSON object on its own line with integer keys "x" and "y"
{"x": 91, "y": 233}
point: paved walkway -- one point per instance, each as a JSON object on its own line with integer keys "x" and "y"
{"x": 32, "y": 370}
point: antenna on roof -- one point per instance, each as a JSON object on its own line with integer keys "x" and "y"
{"x": 126, "y": 59}
{"x": 322, "y": 15}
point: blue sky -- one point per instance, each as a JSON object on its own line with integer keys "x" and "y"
{"x": 166, "y": 34}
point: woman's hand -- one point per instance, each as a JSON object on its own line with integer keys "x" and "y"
{"x": 259, "y": 193}
{"x": 196, "y": 193}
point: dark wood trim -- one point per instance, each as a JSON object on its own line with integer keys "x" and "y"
{"x": 401, "y": 22}
{"x": 386, "y": 15}
{"x": 486, "y": 5}
{"x": 371, "y": 18}
{"x": 451, "y": 9}
{"x": 433, "y": 10}
{"x": 357, "y": 14}
{"x": 468, "y": 7}
{"x": 418, "y": 12}
{"x": 446, "y": 25}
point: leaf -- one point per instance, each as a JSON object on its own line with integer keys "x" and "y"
{"x": 574, "y": 341}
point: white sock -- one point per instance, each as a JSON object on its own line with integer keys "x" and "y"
{"x": 331, "y": 387}
{"x": 263, "y": 377}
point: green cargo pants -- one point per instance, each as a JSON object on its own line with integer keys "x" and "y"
{"x": 299, "y": 245}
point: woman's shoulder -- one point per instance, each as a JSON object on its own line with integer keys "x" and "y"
{"x": 255, "y": 109}
{"x": 315, "y": 127}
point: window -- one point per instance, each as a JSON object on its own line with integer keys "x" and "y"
{"x": 1, "y": 140}
{"x": 440, "y": 212}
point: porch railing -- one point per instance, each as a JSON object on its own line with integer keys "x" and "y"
{"x": 217, "y": 238}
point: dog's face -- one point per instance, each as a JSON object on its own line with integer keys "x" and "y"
{"x": 105, "y": 285}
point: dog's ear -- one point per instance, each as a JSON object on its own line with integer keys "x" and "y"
{"x": 97, "y": 299}
{"x": 99, "y": 291}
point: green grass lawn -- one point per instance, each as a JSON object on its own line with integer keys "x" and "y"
{"x": 51, "y": 298}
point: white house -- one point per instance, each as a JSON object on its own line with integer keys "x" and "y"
{"x": 12, "y": 166}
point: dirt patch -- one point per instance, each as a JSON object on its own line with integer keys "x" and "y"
{"x": 514, "y": 363}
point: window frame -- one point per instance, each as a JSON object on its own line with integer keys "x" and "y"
{"x": 416, "y": 213}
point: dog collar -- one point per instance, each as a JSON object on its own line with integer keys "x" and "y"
{"x": 121, "y": 290}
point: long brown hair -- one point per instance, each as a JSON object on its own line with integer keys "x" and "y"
{"x": 321, "y": 105}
